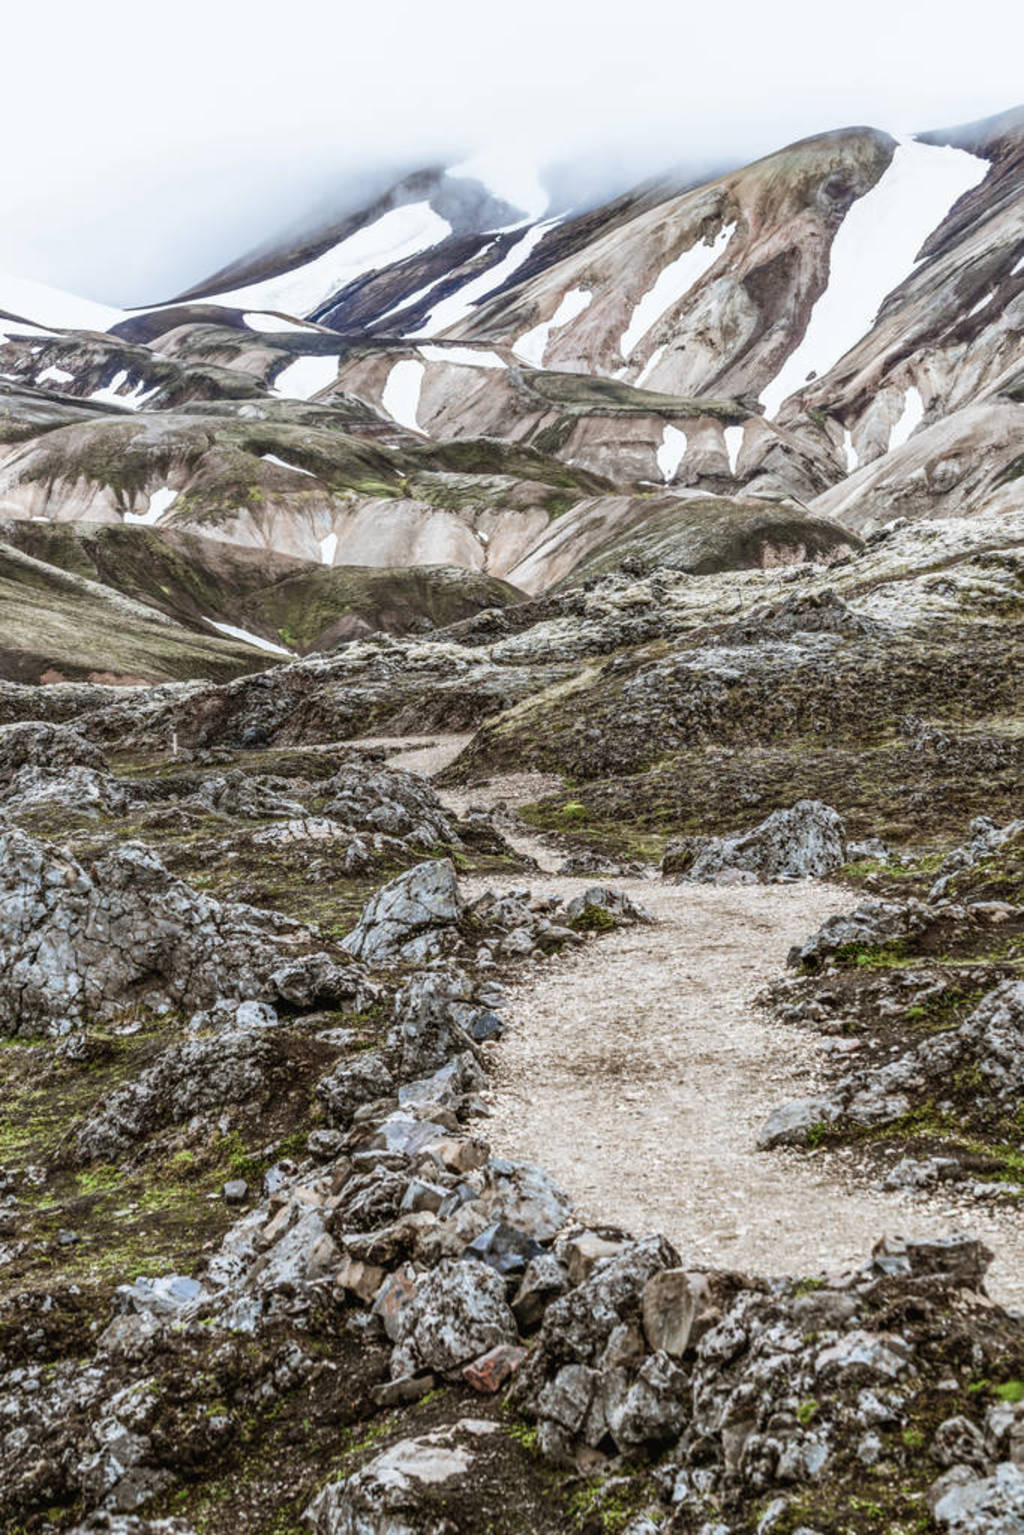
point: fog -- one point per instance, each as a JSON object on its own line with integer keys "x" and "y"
{"x": 145, "y": 146}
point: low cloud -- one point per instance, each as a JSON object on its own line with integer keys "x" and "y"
{"x": 154, "y": 146}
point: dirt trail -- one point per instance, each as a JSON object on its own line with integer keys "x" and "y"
{"x": 639, "y": 1073}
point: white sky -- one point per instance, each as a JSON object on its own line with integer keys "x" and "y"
{"x": 145, "y": 145}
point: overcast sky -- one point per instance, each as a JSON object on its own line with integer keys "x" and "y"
{"x": 146, "y": 145}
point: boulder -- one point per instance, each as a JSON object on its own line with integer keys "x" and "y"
{"x": 196, "y": 1076}
{"x": 402, "y": 1491}
{"x": 35, "y": 744}
{"x": 435, "y": 1012}
{"x": 407, "y": 918}
{"x": 873, "y": 922}
{"x": 601, "y": 907}
{"x": 83, "y": 941}
{"x": 965, "y": 1504}
{"x": 525, "y": 1197}
{"x": 794, "y": 1123}
{"x": 458, "y": 1312}
{"x": 807, "y": 841}
{"x": 353, "y": 1082}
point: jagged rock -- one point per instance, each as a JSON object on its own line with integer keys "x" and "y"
{"x": 190, "y": 1078}
{"x": 353, "y": 1082}
{"x": 54, "y": 748}
{"x": 794, "y": 1123}
{"x": 405, "y": 920}
{"x": 986, "y": 839}
{"x": 525, "y": 1197}
{"x": 434, "y": 1011}
{"x": 386, "y": 800}
{"x": 75, "y": 789}
{"x": 577, "y": 1327}
{"x": 503, "y": 1248}
{"x": 805, "y": 842}
{"x": 83, "y": 941}
{"x": 398, "y": 1491}
{"x": 317, "y": 980}
{"x": 959, "y": 1260}
{"x": 965, "y": 1504}
{"x": 652, "y": 1409}
{"x": 872, "y": 922}
{"x": 545, "y": 1280}
{"x": 603, "y": 906}
{"x": 163, "y": 1296}
{"x": 447, "y": 1087}
{"x": 239, "y": 794}
{"x": 457, "y": 1313}
{"x": 990, "y": 1044}
{"x": 957, "y": 1442}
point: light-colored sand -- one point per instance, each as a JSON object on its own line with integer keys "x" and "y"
{"x": 638, "y": 1072}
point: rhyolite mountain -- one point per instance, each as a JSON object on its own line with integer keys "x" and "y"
{"x": 759, "y": 369}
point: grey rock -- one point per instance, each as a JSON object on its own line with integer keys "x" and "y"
{"x": 402, "y": 1490}
{"x": 525, "y": 1197}
{"x": 807, "y": 841}
{"x": 793, "y": 1123}
{"x": 353, "y": 1082}
{"x": 604, "y": 901}
{"x": 405, "y": 920}
{"x": 78, "y": 941}
{"x": 457, "y": 1313}
{"x": 872, "y": 922}
{"x": 187, "y": 1079}
{"x": 965, "y": 1504}
{"x": 545, "y": 1280}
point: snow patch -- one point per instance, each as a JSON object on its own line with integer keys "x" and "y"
{"x": 649, "y": 367}
{"x": 305, "y": 377}
{"x": 1018, "y": 268}
{"x": 852, "y": 456}
{"x": 876, "y": 247}
{"x": 401, "y": 396}
{"x": 328, "y": 549}
{"x": 134, "y": 400}
{"x": 462, "y": 302}
{"x": 159, "y": 502}
{"x": 272, "y": 458}
{"x": 733, "y": 443}
{"x": 395, "y": 236}
{"x": 671, "y": 285}
{"x": 269, "y": 324}
{"x": 467, "y": 356}
{"x": 910, "y": 420}
{"x": 52, "y": 307}
{"x": 671, "y": 452}
{"x": 982, "y": 303}
{"x": 250, "y": 639}
{"x": 532, "y": 344}
{"x": 57, "y": 375}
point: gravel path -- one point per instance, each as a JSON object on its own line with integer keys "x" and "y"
{"x": 638, "y": 1072}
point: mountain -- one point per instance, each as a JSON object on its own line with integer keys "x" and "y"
{"x": 458, "y": 374}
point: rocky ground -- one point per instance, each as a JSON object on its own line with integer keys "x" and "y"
{"x": 407, "y": 1134}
